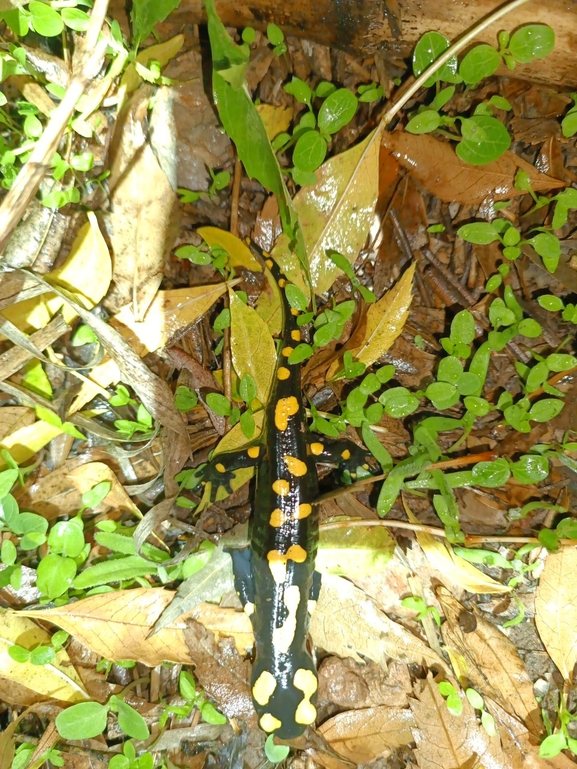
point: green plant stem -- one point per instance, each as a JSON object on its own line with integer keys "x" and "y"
{"x": 451, "y": 51}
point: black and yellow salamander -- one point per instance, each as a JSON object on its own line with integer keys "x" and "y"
{"x": 275, "y": 578}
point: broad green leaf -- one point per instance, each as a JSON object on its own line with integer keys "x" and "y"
{"x": 424, "y": 123}
{"x": 533, "y": 41}
{"x": 430, "y": 47}
{"x": 82, "y": 721}
{"x": 129, "y": 720}
{"x": 253, "y": 348}
{"x": 310, "y": 151}
{"x": 114, "y": 570}
{"x": 495, "y": 142}
{"x": 337, "y": 111}
{"x": 481, "y": 233}
{"x": 480, "y": 62}
{"x": 45, "y": 19}
{"x": 492, "y": 474}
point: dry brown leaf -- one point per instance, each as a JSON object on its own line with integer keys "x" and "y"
{"x": 370, "y": 733}
{"x": 144, "y": 213}
{"x": 436, "y": 166}
{"x": 56, "y": 679}
{"x": 116, "y": 625}
{"x": 60, "y": 492}
{"x": 446, "y": 741}
{"x": 556, "y": 609}
{"x": 12, "y": 418}
{"x": 349, "y": 623}
{"x": 493, "y": 663}
{"x": 386, "y": 320}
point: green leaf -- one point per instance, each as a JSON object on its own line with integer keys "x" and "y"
{"x": 310, "y": 151}
{"x": 569, "y": 124}
{"x": 468, "y": 383}
{"x": 495, "y": 141}
{"x": 274, "y": 34}
{"x": 75, "y": 19}
{"x": 552, "y": 745}
{"x": 442, "y": 395}
{"x": 475, "y": 699}
{"x": 8, "y": 553}
{"x": 424, "y": 123}
{"x": 530, "y": 468}
{"x": 477, "y": 406}
{"x": 500, "y": 314}
{"x": 534, "y": 41}
{"x": 185, "y": 399}
{"x": 45, "y": 19}
{"x": 275, "y": 753}
{"x": 300, "y": 353}
{"x": 536, "y": 376}
{"x": 55, "y": 574}
{"x": 296, "y": 298}
{"x": 491, "y": 474}
{"x": 450, "y": 369}
{"x": 559, "y": 362}
{"x": 82, "y": 722}
{"x": 211, "y": 715}
{"x": 42, "y": 655}
{"x": 480, "y": 62}
{"x": 66, "y": 538}
{"x": 399, "y": 402}
{"x": 463, "y": 327}
{"x": 446, "y": 507}
{"x": 146, "y": 13}
{"x": 545, "y": 410}
{"x": 114, "y": 570}
{"x": 300, "y": 90}
{"x": 83, "y": 335}
{"x": 7, "y": 479}
{"x": 129, "y": 720}
{"x": 481, "y": 233}
{"x": 376, "y": 448}
{"x": 549, "y": 249}
{"x": 454, "y": 704}
{"x": 529, "y": 328}
{"x": 428, "y": 48}
{"x": 337, "y": 110}
{"x": 218, "y": 403}
{"x": 94, "y": 496}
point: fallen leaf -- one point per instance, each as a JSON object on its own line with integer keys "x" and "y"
{"x": 13, "y": 418}
{"x": 556, "y": 609}
{"x": 386, "y": 320}
{"x": 252, "y": 345}
{"x": 276, "y": 119}
{"x": 436, "y": 166}
{"x": 453, "y": 569}
{"x": 354, "y": 551}
{"x": 364, "y": 735}
{"x": 58, "y": 679}
{"x": 99, "y": 378}
{"x": 493, "y": 663}
{"x": 239, "y": 253}
{"x": 447, "y": 741}
{"x": 349, "y": 623}
{"x": 59, "y": 493}
{"x": 143, "y": 220}
{"x": 169, "y": 315}
{"x": 24, "y": 443}
{"x": 162, "y": 53}
{"x": 335, "y": 213}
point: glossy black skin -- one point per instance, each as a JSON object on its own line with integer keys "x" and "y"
{"x": 270, "y": 610}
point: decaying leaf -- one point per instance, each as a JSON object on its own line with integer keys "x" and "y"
{"x": 434, "y": 163}
{"x": 349, "y": 623}
{"x": 238, "y": 251}
{"x": 59, "y": 493}
{"x": 252, "y": 346}
{"x": 57, "y": 679}
{"x": 336, "y": 212}
{"x": 364, "y": 735}
{"x": 275, "y": 118}
{"x": 354, "y": 551}
{"x": 445, "y": 740}
{"x": 556, "y": 609}
{"x": 493, "y": 663}
{"x": 386, "y": 320}
{"x": 13, "y": 418}
{"x": 24, "y": 443}
{"x": 162, "y": 53}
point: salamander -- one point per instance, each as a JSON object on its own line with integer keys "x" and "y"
{"x": 275, "y": 578}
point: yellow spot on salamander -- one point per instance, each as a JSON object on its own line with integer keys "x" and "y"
{"x": 296, "y": 335}
{"x": 294, "y": 311}
{"x": 253, "y": 452}
{"x": 282, "y": 282}
{"x": 277, "y": 518}
{"x": 317, "y": 448}
{"x": 249, "y": 608}
{"x": 282, "y": 373}
{"x": 286, "y": 351}
{"x": 263, "y": 688}
{"x": 346, "y": 454}
{"x": 220, "y": 467}
{"x": 269, "y": 263}
{"x": 268, "y": 723}
{"x": 294, "y": 553}
{"x": 278, "y": 570}
{"x": 285, "y": 408}
{"x": 281, "y": 487}
{"x": 307, "y": 682}
{"x": 304, "y": 510}
{"x": 283, "y": 636}
{"x": 295, "y": 466}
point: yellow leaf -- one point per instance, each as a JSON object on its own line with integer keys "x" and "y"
{"x": 386, "y": 320}
{"x": 556, "y": 609}
{"x": 13, "y": 418}
{"x": 101, "y": 376}
{"x": 27, "y": 441}
{"x": 163, "y": 53}
{"x": 275, "y": 119}
{"x": 253, "y": 348}
{"x": 169, "y": 312}
{"x": 240, "y": 254}
{"x": 336, "y": 212}
{"x": 58, "y": 679}
{"x": 454, "y": 569}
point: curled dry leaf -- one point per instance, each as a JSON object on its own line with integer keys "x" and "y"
{"x": 57, "y": 679}
{"x": 349, "y": 623}
{"x": 336, "y": 212}
{"x": 59, "y": 493}
{"x": 364, "y": 735}
{"x": 436, "y": 166}
{"x": 493, "y": 663}
{"x": 556, "y": 609}
{"x": 386, "y": 320}
{"x": 445, "y": 740}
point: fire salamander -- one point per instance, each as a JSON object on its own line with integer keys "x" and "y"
{"x": 275, "y": 578}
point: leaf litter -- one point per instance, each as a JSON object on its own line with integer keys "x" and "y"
{"x": 153, "y": 309}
